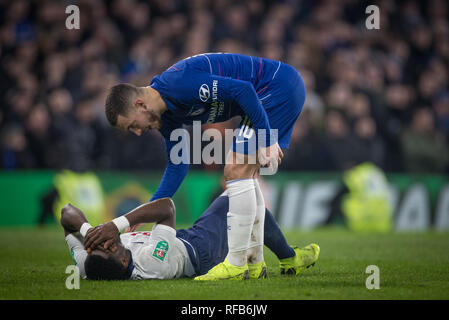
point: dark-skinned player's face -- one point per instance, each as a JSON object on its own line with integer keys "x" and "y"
{"x": 117, "y": 252}
{"x": 139, "y": 119}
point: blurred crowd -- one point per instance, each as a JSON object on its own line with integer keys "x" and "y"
{"x": 372, "y": 95}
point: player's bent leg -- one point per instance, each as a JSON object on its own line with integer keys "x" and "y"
{"x": 242, "y": 205}
{"x": 292, "y": 260}
{"x": 256, "y": 265}
{"x": 240, "y": 218}
{"x": 274, "y": 239}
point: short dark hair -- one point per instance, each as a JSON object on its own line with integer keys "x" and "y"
{"x": 118, "y": 101}
{"x": 98, "y": 267}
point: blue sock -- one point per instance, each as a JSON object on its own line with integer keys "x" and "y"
{"x": 274, "y": 238}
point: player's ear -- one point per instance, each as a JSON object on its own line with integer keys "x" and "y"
{"x": 140, "y": 104}
{"x": 124, "y": 259}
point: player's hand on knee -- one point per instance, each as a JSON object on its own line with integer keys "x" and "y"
{"x": 270, "y": 156}
{"x": 281, "y": 154}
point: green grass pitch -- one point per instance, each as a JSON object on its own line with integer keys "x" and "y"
{"x": 412, "y": 266}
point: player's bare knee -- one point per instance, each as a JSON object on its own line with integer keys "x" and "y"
{"x": 228, "y": 172}
{"x": 238, "y": 171}
{"x": 233, "y": 172}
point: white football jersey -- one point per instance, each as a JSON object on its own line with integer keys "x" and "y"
{"x": 76, "y": 247}
{"x": 156, "y": 255}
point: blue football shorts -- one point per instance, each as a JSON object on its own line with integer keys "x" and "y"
{"x": 282, "y": 99}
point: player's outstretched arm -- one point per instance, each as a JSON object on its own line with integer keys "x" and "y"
{"x": 72, "y": 219}
{"x": 161, "y": 211}
{"x": 174, "y": 173}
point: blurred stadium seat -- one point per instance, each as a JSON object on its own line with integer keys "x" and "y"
{"x": 373, "y": 95}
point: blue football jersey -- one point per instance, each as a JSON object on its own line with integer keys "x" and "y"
{"x": 211, "y": 88}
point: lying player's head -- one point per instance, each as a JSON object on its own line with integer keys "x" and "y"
{"x": 129, "y": 108}
{"x": 108, "y": 265}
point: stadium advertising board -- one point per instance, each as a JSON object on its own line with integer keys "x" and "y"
{"x": 298, "y": 200}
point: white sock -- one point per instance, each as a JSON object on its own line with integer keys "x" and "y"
{"x": 241, "y": 215}
{"x": 255, "y": 250}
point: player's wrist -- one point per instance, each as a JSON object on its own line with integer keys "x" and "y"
{"x": 266, "y": 138}
{"x": 84, "y": 228}
{"x": 272, "y": 138}
{"x": 121, "y": 223}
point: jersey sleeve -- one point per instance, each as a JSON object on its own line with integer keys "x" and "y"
{"x": 75, "y": 243}
{"x": 176, "y": 170}
{"x": 243, "y": 93}
{"x": 155, "y": 258}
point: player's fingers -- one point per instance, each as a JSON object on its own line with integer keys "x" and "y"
{"x": 97, "y": 241}
{"x": 88, "y": 237}
{"x": 262, "y": 159}
{"x": 274, "y": 166}
{"x": 108, "y": 243}
{"x": 92, "y": 241}
{"x": 113, "y": 247}
{"x": 89, "y": 233}
{"x": 281, "y": 154}
{"x": 101, "y": 247}
{"x": 87, "y": 242}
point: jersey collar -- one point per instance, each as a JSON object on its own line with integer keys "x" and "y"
{"x": 130, "y": 268}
